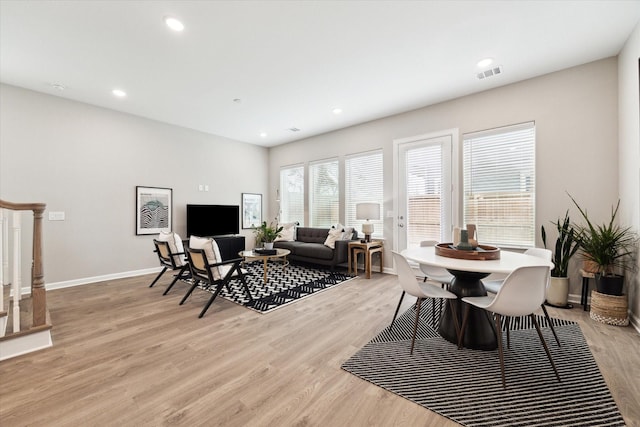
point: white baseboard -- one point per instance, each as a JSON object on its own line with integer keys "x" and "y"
{"x": 94, "y": 279}
{"x": 575, "y": 299}
{"x": 25, "y": 344}
{"x": 634, "y": 322}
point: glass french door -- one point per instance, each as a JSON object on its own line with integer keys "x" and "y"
{"x": 424, "y": 189}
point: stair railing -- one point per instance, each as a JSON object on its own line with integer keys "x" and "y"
{"x": 38, "y": 291}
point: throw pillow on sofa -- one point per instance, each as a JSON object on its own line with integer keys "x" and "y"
{"x": 347, "y": 232}
{"x": 334, "y": 234}
{"x": 287, "y": 233}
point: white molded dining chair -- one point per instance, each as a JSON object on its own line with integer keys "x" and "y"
{"x": 521, "y": 294}
{"x": 493, "y": 286}
{"x": 437, "y": 274}
{"x": 421, "y": 290}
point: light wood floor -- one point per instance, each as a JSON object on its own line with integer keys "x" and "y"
{"x": 126, "y": 355}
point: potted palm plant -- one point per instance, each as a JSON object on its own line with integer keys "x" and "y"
{"x": 267, "y": 234}
{"x": 565, "y": 247}
{"x": 609, "y": 247}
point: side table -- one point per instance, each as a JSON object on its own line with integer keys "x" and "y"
{"x": 585, "y": 288}
{"x": 368, "y": 249}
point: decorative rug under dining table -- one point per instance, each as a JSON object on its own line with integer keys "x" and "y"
{"x": 285, "y": 284}
{"x": 465, "y": 385}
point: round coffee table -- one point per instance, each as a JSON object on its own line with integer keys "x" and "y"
{"x": 280, "y": 255}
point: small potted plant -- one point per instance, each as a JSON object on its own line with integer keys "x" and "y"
{"x": 267, "y": 234}
{"x": 609, "y": 247}
{"x": 566, "y": 247}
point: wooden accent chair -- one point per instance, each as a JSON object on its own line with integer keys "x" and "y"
{"x": 213, "y": 276}
{"x": 170, "y": 260}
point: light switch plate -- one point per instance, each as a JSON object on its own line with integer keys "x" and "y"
{"x": 56, "y": 216}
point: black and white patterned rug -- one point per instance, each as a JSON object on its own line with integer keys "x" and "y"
{"x": 285, "y": 284}
{"x": 465, "y": 385}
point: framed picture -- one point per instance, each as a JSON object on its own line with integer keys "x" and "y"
{"x": 251, "y": 210}
{"x": 154, "y": 210}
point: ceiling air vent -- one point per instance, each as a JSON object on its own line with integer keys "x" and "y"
{"x": 294, "y": 129}
{"x": 490, "y": 72}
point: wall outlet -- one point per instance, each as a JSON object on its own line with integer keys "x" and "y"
{"x": 56, "y": 216}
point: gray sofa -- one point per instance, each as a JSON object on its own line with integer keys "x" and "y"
{"x": 309, "y": 246}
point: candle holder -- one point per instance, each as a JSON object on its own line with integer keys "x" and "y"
{"x": 464, "y": 244}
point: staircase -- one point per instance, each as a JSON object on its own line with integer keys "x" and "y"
{"x": 24, "y": 322}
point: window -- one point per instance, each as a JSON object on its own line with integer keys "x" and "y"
{"x": 363, "y": 183}
{"x": 499, "y": 185}
{"x": 291, "y": 194}
{"x": 324, "y": 193}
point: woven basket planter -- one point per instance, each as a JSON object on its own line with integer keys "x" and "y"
{"x": 609, "y": 309}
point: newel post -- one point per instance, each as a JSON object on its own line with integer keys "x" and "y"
{"x": 38, "y": 291}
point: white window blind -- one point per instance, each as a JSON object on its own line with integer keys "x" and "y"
{"x": 424, "y": 193}
{"x": 499, "y": 184}
{"x": 292, "y": 194}
{"x": 363, "y": 184}
{"x": 324, "y": 194}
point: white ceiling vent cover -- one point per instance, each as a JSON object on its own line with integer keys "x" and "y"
{"x": 495, "y": 71}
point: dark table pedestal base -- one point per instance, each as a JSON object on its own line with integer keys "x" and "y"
{"x": 479, "y": 333}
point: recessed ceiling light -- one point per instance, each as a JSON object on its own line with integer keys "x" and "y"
{"x": 119, "y": 93}
{"x": 173, "y": 23}
{"x": 485, "y": 62}
{"x": 263, "y": 134}
{"x": 337, "y": 110}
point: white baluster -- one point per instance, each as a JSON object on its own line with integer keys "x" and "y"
{"x": 16, "y": 283}
{"x": 4, "y": 237}
{"x": 3, "y": 254}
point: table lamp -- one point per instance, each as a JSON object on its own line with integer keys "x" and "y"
{"x": 367, "y": 211}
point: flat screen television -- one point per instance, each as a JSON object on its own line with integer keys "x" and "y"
{"x": 213, "y": 220}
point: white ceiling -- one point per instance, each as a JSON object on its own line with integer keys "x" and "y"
{"x": 291, "y": 62}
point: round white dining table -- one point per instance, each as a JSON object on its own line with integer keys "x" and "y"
{"x": 468, "y": 275}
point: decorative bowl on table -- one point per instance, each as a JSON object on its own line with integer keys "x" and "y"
{"x": 480, "y": 252}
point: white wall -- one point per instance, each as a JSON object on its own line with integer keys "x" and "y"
{"x": 87, "y": 161}
{"x": 629, "y": 142}
{"x": 576, "y": 117}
